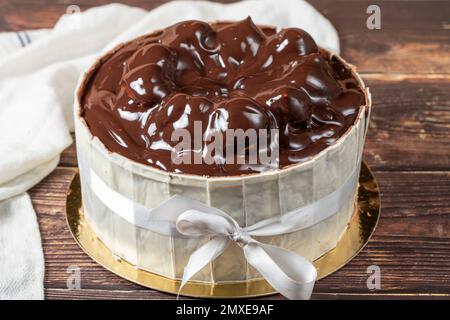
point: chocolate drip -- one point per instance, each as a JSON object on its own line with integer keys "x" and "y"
{"x": 226, "y": 76}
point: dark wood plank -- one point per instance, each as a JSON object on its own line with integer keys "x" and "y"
{"x": 68, "y": 157}
{"x": 411, "y": 244}
{"x": 410, "y": 125}
{"x": 413, "y": 37}
{"x": 92, "y": 294}
{"x": 419, "y": 207}
{"x": 34, "y": 14}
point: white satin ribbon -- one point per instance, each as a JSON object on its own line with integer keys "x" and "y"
{"x": 288, "y": 273}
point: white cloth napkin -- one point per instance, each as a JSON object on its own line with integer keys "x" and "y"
{"x": 39, "y": 71}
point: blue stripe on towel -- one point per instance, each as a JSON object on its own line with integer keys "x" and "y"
{"x": 22, "y": 43}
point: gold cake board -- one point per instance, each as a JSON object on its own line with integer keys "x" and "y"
{"x": 358, "y": 233}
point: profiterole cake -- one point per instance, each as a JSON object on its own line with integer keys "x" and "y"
{"x": 223, "y": 75}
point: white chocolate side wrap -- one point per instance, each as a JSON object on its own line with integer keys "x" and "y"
{"x": 248, "y": 199}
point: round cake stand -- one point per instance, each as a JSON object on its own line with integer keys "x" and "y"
{"x": 358, "y": 233}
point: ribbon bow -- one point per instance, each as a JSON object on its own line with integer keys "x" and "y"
{"x": 288, "y": 273}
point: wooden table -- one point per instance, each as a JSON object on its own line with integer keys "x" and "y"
{"x": 407, "y": 66}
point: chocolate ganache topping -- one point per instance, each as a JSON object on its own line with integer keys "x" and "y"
{"x": 224, "y": 76}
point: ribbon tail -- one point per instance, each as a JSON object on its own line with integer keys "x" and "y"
{"x": 290, "y": 274}
{"x": 202, "y": 256}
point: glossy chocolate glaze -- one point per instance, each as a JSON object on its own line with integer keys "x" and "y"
{"x": 226, "y": 75}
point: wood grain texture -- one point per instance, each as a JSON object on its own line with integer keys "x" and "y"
{"x": 92, "y": 294}
{"x": 410, "y": 124}
{"x": 414, "y": 35}
{"x": 407, "y": 66}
